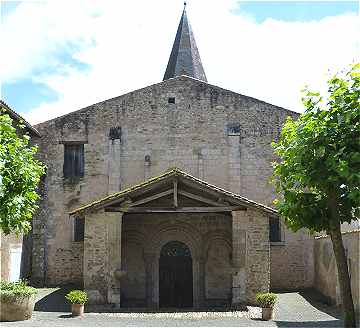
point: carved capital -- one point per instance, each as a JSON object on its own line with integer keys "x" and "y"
{"x": 118, "y": 274}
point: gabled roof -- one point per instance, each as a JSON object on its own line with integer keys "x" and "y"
{"x": 169, "y": 81}
{"x": 185, "y": 58}
{"x": 15, "y": 116}
{"x": 223, "y": 199}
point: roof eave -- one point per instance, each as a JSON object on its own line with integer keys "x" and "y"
{"x": 102, "y": 203}
{"x": 20, "y": 119}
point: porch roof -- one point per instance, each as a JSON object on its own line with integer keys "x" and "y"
{"x": 157, "y": 187}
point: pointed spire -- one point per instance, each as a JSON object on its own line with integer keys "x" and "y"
{"x": 184, "y": 58}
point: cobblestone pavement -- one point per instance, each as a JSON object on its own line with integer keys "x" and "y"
{"x": 303, "y": 309}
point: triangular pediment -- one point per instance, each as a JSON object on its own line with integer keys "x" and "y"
{"x": 173, "y": 191}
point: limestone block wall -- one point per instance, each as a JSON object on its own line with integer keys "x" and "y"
{"x": 102, "y": 257}
{"x": 192, "y": 134}
{"x": 292, "y": 261}
{"x": 326, "y": 280}
{"x": 257, "y": 257}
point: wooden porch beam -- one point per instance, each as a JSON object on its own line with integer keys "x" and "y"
{"x": 200, "y": 198}
{"x": 175, "y": 210}
{"x": 151, "y": 198}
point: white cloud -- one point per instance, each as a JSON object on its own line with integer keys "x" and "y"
{"x": 127, "y": 44}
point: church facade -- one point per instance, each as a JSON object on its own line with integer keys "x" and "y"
{"x": 161, "y": 197}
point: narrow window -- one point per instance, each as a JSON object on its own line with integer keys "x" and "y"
{"x": 79, "y": 229}
{"x": 171, "y": 100}
{"x": 115, "y": 133}
{"x": 73, "y": 160}
{"x": 233, "y": 129}
{"x": 274, "y": 229}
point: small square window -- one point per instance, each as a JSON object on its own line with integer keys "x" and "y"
{"x": 233, "y": 129}
{"x": 79, "y": 229}
{"x": 171, "y": 100}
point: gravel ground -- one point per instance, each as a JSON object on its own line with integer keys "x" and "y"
{"x": 304, "y": 309}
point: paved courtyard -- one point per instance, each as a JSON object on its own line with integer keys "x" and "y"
{"x": 303, "y": 309}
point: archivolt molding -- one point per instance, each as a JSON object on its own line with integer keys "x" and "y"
{"x": 179, "y": 231}
{"x": 213, "y": 236}
{"x": 134, "y": 236}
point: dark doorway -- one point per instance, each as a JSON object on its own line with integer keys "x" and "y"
{"x": 175, "y": 276}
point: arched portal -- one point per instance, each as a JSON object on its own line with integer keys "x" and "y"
{"x": 175, "y": 276}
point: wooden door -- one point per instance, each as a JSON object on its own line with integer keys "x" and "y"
{"x": 175, "y": 276}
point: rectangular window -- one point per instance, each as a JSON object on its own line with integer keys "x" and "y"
{"x": 274, "y": 229}
{"x": 233, "y": 129}
{"x": 73, "y": 160}
{"x": 79, "y": 229}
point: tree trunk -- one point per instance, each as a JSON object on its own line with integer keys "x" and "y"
{"x": 343, "y": 274}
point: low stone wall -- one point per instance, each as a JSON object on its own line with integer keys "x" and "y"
{"x": 326, "y": 280}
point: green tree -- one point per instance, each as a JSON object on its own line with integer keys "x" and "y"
{"x": 20, "y": 174}
{"x": 318, "y": 170}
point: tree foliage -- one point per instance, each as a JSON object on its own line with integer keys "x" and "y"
{"x": 318, "y": 172}
{"x": 20, "y": 174}
{"x": 320, "y": 157}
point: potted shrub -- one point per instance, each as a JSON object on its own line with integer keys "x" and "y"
{"x": 17, "y": 300}
{"x": 267, "y": 302}
{"x": 77, "y": 298}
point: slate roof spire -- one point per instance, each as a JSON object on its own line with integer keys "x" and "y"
{"x": 184, "y": 58}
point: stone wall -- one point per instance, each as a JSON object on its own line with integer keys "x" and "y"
{"x": 292, "y": 260}
{"x": 256, "y": 272}
{"x": 102, "y": 257}
{"x": 215, "y": 134}
{"x": 326, "y": 280}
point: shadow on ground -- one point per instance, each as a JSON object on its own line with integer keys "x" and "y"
{"x": 110, "y": 309}
{"x": 321, "y": 302}
{"x": 304, "y": 324}
{"x": 328, "y": 314}
{"x": 53, "y": 300}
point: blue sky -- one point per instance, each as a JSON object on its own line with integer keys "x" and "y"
{"x": 50, "y": 68}
{"x": 301, "y": 11}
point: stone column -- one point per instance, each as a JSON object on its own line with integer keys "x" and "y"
{"x": 114, "y": 168}
{"x": 150, "y": 259}
{"x": 238, "y": 257}
{"x": 114, "y": 223}
{"x": 95, "y": 257}
{"x": 155, "y": 301}
{"x": 202, "y": 262}
{"x": 197, "y": 281}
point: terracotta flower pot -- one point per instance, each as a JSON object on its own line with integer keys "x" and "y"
{"x": 77, "y": 310}
{"x": 267, "y": 313}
